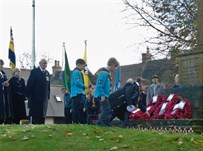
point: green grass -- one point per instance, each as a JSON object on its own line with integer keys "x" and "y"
{"x": 93, "y": 138}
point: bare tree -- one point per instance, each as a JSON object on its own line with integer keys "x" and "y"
{"x": 26, "y": 60}
{"x": 48, "y": 58}
{"x": 175, "y": 22}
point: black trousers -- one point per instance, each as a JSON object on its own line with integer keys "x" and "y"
{"x": 78, "y": 115}
{"x": 68, "y": 116}
{"x": 37, "y": 120}
{"x": 1, "y": 121}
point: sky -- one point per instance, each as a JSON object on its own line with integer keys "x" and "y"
{"x": 101, "y": 22}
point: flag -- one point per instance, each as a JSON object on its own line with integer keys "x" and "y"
{"x": 11, "y": 52}
{"x": 85, "y": 71}
{"x": 66, "y": 75}
{"x": 117, "y": 83}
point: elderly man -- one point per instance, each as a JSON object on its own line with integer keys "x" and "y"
{"x": 155, "y": 88}
{"x": 123, "y": 100}
{"x": 38, "y": 92}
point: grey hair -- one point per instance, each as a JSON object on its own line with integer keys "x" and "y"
{"x": 130, "y": 80}
{"x": 1, "y": 62}
{"x": 16, "y": 69}
{"x": 42, "y": 60}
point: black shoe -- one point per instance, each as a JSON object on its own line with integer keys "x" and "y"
{"x": 125, "y": 124}
{"x": 99, "y": 123}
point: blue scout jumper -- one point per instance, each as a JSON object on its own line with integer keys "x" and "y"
{"x": 78, "y": 96}
{"x": 103, "y": 88}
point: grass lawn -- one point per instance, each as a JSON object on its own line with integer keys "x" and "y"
{"x": 93, "y": 138}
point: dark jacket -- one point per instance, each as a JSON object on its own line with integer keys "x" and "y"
{"x": 3, "y": 78}
{"x": 67, "y": 101}
{"x": 17, "y": 97}
{"x": 126, "y": 95}
{"x": 38, "y": 92}
{"x": 142, "y": 102}
{"x": 92, "y": 109}
{"x": 120, "y": 99}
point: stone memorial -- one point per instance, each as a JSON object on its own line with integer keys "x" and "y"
{"x": 191, "y": 71}
{"x": 191, "y": 67}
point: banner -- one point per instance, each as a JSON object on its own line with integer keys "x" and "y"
{"x": 66, "y": 75}
{"x": 85, "y": 72}
{"x": 11, "y": 52}
{"x": 117, "y": 83}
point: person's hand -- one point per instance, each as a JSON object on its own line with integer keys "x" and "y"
{"x": 84, "y": 109}
{"x": 5, "y": 84}
{"x": 103, "y": 98}
{"x": 71, "y": 110}
{"x": 147, "y": 113}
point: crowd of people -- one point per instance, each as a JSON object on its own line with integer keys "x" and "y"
{"x": 137, "y": 99}
{"x": 101, "y": 105}
{"x": 12, "y": 97}
{"x": 85, "y": 109}
{"x": 14, "y": 92}
{"x": 132, "y": 101}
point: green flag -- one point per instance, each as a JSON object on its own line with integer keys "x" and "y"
{"x": 66, "y": 75}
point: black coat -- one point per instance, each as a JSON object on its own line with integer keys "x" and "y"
{"x": 91, "y": 110}
{"x": 125, "y": 96}
{"x": 3, "y": 78}
{"x": 38, "y": 92}
{"x": 17, "y": 97}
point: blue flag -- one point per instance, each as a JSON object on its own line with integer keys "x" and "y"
{"x": 11, "y": 52}
{"x": 117, "y": 83}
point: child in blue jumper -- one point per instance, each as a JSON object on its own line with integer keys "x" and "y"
{"x": 67, "y": 106}
{"x": 103, "y": 90}
{"x": 78, "y": 92}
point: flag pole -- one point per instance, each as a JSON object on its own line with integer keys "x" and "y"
{"x": 63, "y": 55}
{"x": 33, "y": 34}
{"x": 33, "y": 40}
{"x": 85, "y": 53}
{"x": 85, "y": 71}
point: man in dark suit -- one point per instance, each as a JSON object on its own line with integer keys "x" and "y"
{"x": 3, "y": 84}
{"x": 38, "y": 92}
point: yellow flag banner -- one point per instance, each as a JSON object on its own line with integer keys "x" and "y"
{"x": 11, "y": 52}
{"x": 85, "y": 71}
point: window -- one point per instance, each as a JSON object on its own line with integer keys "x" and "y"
{"x": 58, "y": 99}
